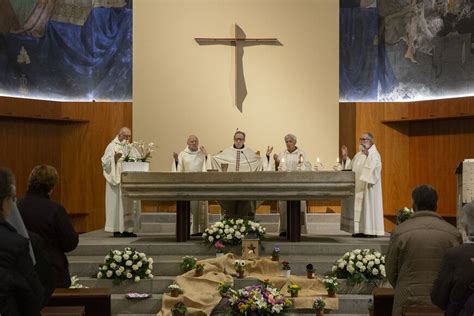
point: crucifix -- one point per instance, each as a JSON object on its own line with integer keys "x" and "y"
{"x": 239, "y": 42}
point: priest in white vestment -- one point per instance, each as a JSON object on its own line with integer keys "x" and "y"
{"x": 119, "y": 213}
{"x": 366, "y": 218}
{"x": 239, "y": 158}
{"x": 292, "y": 159}
{"x": 193, "y": 159}
{"x": 345, "y": 160}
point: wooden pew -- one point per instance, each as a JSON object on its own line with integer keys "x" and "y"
{"x": 96, "y": 302}
{"x": 383, "y": 301}
{"x": 63, "y": 311}
{"x": 422, "y": 311}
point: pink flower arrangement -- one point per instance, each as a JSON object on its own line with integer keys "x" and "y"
{"x": 219, "y": 247}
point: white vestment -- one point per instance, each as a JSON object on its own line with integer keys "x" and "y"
{"x": 245, "y": 160}
{"x": 346, "y": 165}
{"x": 194, "y": 161}
{"x": 120, "y": 213}
{"x": 290, "y": 162}
{"x": 367, "y": 215}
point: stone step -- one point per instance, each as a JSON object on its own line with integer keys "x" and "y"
{"x": 156, "y": 245}
{"x": 161, "y": 217}
{"x": 285, "y": 314}
{"x": 272, "y": 228}
{"x": 87, "y": 266}
{"x": 348, "y": 304}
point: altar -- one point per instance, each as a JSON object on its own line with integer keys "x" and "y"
{"x": 202, "y": 186}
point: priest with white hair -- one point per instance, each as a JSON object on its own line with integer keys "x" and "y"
{"x": 239, "y": 158}
{"x": 292, "y": 159}
{"x": 120, "y": 214}
{"x": 194, "y": 159}
{"x": 365, "y": 218}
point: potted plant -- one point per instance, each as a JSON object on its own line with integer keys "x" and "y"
{"x": 179, "y": 309}
{"x": 276, "y": 253}
{"x": 403, "y": 214}
{"x": 175, "y": 290}
{"x": 318, "y": 306}
{"x": 188, "y": 264}
{"x": 293, "y": 289}
{"x": 285, "y": 266}
{"x": 331, "y": 285}
{"x": 220, "y": 247}
{"x": 239, "y": 266}
{"x": 199, "y": 269}
{"x": 310, "y": 271}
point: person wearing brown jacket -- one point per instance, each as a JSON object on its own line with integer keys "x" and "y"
{"x": 416, "y": 249}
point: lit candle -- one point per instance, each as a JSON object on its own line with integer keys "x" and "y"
{"x": 337, "y": 160}
{"x": 317, "y": 160}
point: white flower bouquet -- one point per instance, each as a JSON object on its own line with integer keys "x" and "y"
{"x": 75, "y": 283}
{"x": 360, "y": 265}
{"x": 404, "y": 214}
{"x": 137, "y": 151}
{"x": 128, "y": 264}
{"x": 232, "y": 231}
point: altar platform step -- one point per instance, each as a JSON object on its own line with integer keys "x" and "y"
{"x": 318, "y": 223}
{"x": 348, "y": 304}
{"x": 170, "y": 265}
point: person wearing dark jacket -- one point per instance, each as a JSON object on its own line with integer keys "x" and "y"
{"x": 21, "y": 293}
{"x": 49, "y": 220}
{"x": 453, "y": 290}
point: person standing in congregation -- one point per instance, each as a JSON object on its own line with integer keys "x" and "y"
{"x": 119, "y": 215}
{"x": 21, "y": 292}
{"x": 50, "y": 221}
{"x": 292, "y": 159}
{"x": 416, "y": 249}
{"x": 239, "y": 158}
{"x": 365, "y": 218}
{"x": 194, "y": 159}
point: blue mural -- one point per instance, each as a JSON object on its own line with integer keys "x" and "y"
{"x": 66, "y": 49}
{"x": 403, "y": 50}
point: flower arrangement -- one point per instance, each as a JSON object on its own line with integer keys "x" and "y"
{"x": 219, "y": 246}
{"x": 404, "y": 214}
{"x": 319, "y": 304}
{"x": 175, "y": 290}
{"x": 276, "y": 253}
{"x": 188, "y": 264}
{"x": 199, "y": 269}
{"x": 360, "y": 265}
{"x": 285, "y": 266}
{"x": 128, "y": 264}
{"x": 262, "y": 299}
{"x": 293, "y": 289}
{"x": 137, "y": 151}
{"x": 331, "y": 285}
{"x": 231, "y": 231}
{"x": 310, "y": 271}
{"x": 179, "y": 309}
{"x": 75, "y": 283}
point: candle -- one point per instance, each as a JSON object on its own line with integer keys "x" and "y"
{"x": 317, "y": 160}
{"x": 337, "y": 160}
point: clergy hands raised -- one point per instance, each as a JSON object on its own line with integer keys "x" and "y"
{"x": 117, "y": 156}
{"x": 269, "y": 151}
{"x": 203, "y": 150}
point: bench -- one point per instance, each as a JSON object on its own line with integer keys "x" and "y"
{"x": 63, "y": 311}
{"x": 96, "y": 302}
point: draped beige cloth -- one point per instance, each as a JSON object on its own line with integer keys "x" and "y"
{"x": 201, "y": 295}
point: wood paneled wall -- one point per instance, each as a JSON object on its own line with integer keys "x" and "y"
{"x": 420, "y": 142}
{"x": 69, "y": 136}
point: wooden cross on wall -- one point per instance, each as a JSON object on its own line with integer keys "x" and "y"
{"x": 239, "y": 42}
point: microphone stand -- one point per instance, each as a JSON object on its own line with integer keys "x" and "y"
{"x": 250, "y": 167}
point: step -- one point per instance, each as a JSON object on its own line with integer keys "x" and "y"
{"x": 99, "y": 243}
{"x": 170, "y": 228}
{"x": 348, "y": 304}
{"x": 87, "y": 266}
{"x": 161, "y": 217}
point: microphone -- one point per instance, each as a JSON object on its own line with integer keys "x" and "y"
{"x": 250, "y": 167}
